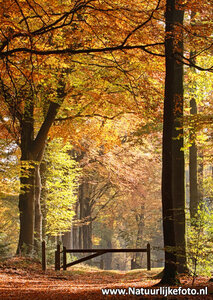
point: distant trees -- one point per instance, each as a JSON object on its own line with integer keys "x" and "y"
{"x": 61, "y": 175}
{"x": 134, "y": 169}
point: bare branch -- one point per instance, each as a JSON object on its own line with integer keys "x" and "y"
{"x": 89, "y": 116}
{"x": 190, "y": 62}
{"x": 141, "y": 25}
{"x": 82, "y": 51}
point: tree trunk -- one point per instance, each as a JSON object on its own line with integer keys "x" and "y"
{"x": 26, "y": 209}
{"x": 67, "y": 239}
{"x": 193, "y": 181}
{"x": 43, "y": 167}
{"x": 200, "y": 176}
{"x": 31, "y": 156}
{"x": 108, "y": 257}
{"x": 140, "y": 224}
{"x": 75, "y": 228}
{"x": 80, "y": 231}
{"x": 194, "y": 196}
{"x": 75, "y": 240}
{"x": 38, "y": 213}
{"x": 85, "y": 230}
{"x": 27, "y": 182}
{"x": 171, "y": 156}
{"x": 178, "y": 161}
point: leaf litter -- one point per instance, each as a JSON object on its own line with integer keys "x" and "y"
{"x": 23, "y": 279}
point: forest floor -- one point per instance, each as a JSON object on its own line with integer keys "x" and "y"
{"x": 23, "y": 279}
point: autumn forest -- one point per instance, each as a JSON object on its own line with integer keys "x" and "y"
{"x": 106, "y": 117}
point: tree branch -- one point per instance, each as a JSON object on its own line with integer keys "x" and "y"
{"x": 39, "y": 142}
{"x": 81, "y": 51}
{"x": 141, "y": 25}
{"x": 190, "y": 62}
{"x": 89, "y": 116}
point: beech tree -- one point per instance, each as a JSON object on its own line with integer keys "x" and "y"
{"x": 173, "y": 201}
{"x": 30, "y": 31}
{"x": 193, "y": 166}
{"x": 173, "y": 109}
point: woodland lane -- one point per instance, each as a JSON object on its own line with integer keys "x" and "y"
{"x": 23, "y": 284}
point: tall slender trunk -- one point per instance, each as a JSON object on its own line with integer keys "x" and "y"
{"x": 173, "y": 105}
{"x": 178, "y": 161}
{"x": 85, "y": 230}
{"x": 193, "y": 184}
{"x": 43, "y": 194}
{"x": 75, "y": 228}
{"x": 200, "y": 176}
{"x": 139, "y": 238}
{"x": 193, "y": 165}
{"x": 108, "y": 256}
{"x": 38, "y": 213}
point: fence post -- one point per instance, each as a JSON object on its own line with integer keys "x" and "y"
{"x": 148, "y": 257}
{"x": 57, "y": 258}
{"x": 43, "y": 255}
{"x": 64, "y": 258}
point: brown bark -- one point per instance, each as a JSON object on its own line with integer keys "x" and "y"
{"x": 139, "y": 238}
{"x": 178, "y": 161}
{"x": 27, "y": 196}
{"x": 38, "y": 213}
{"x": 193, "y": 181}
{"x": 85, "y": 230}
{"x": 171, "y": 155}
{"x": 108, "y": 257}
{"x": 67, "y": 239}
{"x": 32, "y": 152}
{"x": 193, "y": 164}
{"x": 200, "y": 176}
{"x": 43, "y": 167}
{"x": 26, "y": 208}
{"x": 75, "y": 228}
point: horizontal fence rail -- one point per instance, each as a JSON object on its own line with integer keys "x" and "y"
{"x": 105, "y": 250}
{"x": 97, "y": 252}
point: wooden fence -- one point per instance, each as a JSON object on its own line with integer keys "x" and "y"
{"x": 97, "y": 252}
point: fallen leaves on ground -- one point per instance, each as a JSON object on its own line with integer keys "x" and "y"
{"x": 23, "y": 279}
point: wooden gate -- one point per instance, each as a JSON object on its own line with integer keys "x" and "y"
{"x": 96, "y": 252}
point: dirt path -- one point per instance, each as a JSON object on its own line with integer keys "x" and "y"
{"x": 26, "y": 282}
